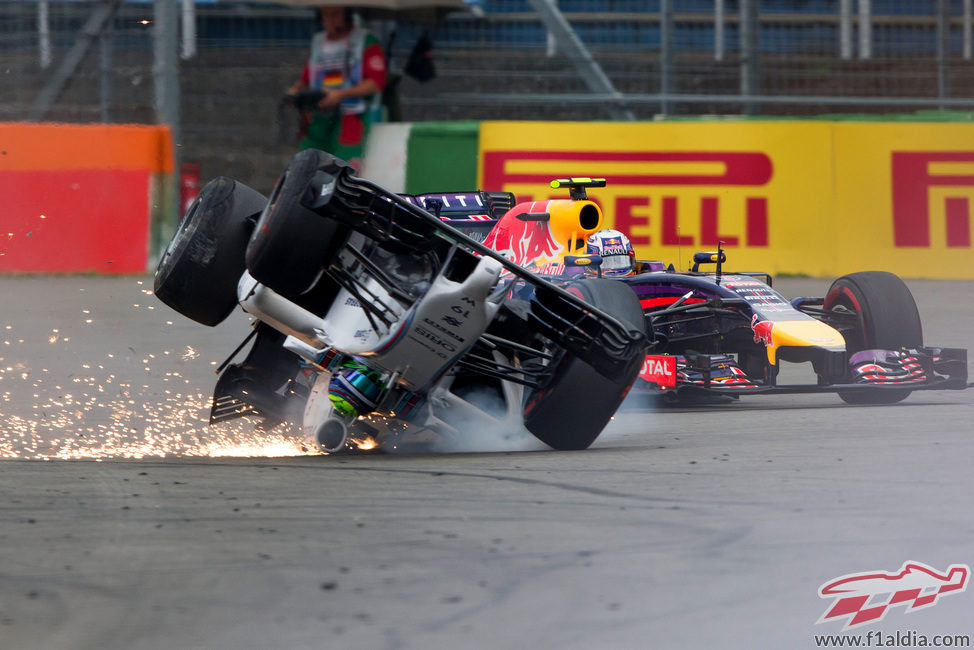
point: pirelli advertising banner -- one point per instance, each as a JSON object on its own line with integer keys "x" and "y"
{"x": 814, "y": 198}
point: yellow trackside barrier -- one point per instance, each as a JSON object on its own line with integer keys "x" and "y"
{"x": 814, "y": 198}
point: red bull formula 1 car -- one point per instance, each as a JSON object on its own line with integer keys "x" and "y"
{"x": 719, "y": 333}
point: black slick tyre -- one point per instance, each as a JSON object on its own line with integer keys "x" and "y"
{"x": 576, "y": 403}
{"x": 886, "y": 318}
{"x": 291, "y": 245}
{"x": 199, "y": 271}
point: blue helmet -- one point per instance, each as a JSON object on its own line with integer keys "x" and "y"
{"x": 618, "y": 257}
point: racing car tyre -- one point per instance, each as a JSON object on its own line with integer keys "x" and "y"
{"x": 198, "y": 274}
{"x": 291, "y": 244}
{"x": 888, "y": 319}
{"x": 570, "y": 411}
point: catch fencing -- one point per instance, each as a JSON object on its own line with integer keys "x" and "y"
{"x": 215, "y": 71}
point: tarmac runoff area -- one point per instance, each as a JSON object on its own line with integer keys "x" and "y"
{"x": 126, "y": 522}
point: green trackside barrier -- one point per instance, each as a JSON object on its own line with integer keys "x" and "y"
{"x": 442, "y": 157}
{"x": 919, "y": 116}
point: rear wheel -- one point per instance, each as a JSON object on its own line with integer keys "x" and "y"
{"x": 198, "y": 274}
{"x": 886, "y": 318}
{"x": 572, "y": 408}
{"x": 291, "y": 244}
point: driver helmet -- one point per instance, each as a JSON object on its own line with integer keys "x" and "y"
{"x": 618, "y": 257}
{"x": 354, "y": 389}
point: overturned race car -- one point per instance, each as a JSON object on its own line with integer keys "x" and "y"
{"x": 374, "y": 315}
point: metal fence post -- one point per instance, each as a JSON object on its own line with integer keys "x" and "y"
{"x": 44, "y": 34}
{"x": 165, "y": 73}
{"x": 865, "y": 29}
{"x": 966, "y": 29}
{"x": 666, "y": 56}
{"x": 845, "y": 29}
{"x": 943, "y": 51}
{"x": 719, "y": 11}
{"x": 165, "y": 65}
{"x": 105, "y": 66}
{"x": 750, "y": 40}
{"x": 189, "y": 29}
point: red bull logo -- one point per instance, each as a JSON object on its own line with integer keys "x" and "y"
{"x": 762, "y": 330}
{"x": 525, "y": 242}
{"x": 914, "y": 586}
{"x": 914, "y": 175}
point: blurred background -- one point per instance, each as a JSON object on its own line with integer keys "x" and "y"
{"x": 216, "y": 70}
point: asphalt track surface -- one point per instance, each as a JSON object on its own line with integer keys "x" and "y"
{"x": 126, "y": 523}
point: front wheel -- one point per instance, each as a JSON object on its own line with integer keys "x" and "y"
{"x": 885, "y": 318}
{"x": 576, "y": 403}
{"x": 198, "y": 274}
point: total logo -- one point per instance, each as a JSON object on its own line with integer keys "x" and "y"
{"x": 660, "y": 370}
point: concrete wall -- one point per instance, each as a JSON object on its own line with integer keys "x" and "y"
{"x": 81, "y": 198}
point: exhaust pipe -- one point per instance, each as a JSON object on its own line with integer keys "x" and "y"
{"x": 331, "y": 435}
